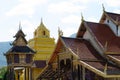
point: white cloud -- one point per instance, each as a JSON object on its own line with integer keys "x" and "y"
{"x": 28, "y": 28}
{"x": 26, "y": 7}
{"x": 92, "y": 19}
{"x": 72, "y": 19}
{"x": 65, "y": 7}
{"x": 69, "y": 31}
{"x": 113, "y": 3}
{"x": 117, "y": 11}
{"x": 82, "y": 1}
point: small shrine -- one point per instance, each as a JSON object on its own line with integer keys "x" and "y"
{"x": 19, "y": 58}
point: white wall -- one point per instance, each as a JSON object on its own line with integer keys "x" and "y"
{"x": 111, "y": 25}
{"x": 119, "y": 30}
{"x": 88, "y": 36}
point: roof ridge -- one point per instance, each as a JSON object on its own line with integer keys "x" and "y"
{"x": 113, "y": 13}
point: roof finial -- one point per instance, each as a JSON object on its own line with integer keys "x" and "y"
{"x": 41, "y": 20}
{"x": 103, "y": 7}
{"x": 82, "y": 18}
{"x": 20, "y": 25}
{"x": 60, "y": 33}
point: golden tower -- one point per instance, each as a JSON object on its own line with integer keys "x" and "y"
{"x": 44, "y": 45}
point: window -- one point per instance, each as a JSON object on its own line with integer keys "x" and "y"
{"x": 35, "y": 33}
{"x": 43, "y": 32}
{"x": 107, "y": 21}
{"x": 22, "y": 58}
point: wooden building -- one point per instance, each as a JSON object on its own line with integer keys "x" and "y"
{"x": 19, "y": 59}
{"x": 93, "y": 55}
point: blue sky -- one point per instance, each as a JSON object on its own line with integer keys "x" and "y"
{"x": 65, "y": 14}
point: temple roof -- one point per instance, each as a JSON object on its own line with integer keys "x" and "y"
{"x": 19, "y": 36}
{"x": 104, "y": 35}
{"x": 42, "y": 26}
{"x": 89, "y": 57}
{"x": 19, "y": 33}
{"x": 88, "y": 54}
{"x": 20, "y": 49}
{"x": 82, "y": 48}
{"x": 112, "y": 16}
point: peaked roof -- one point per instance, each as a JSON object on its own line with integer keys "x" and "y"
{"x": 42, "y": 26}
{"x": 19, "y": 33}
{"x": 112, "y": 16}
{"x": 20, "y": 45}
{"x": 103, "y": 34}
{"x": 20, "y": 49}
{"x": 82, "y": 48}
{"x": 88, "y": 56}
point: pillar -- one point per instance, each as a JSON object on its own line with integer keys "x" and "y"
{"x": 30, "y": 73}
{"x": 83, "y": 72}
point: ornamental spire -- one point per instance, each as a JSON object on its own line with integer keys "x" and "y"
{"x": 103, "y": 7}
{"x": 41, "y": 20}
{"x": 20, "y": 26}
{"x": 82, "y": 18}
{"x": 60, "y": 33}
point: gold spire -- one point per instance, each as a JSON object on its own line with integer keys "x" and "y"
{"x": 41, "y": 21}
{"x": 60, "y": 33}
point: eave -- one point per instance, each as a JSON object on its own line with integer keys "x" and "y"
{"x": 98, "y": 72}
{"x": 115, "y": 60}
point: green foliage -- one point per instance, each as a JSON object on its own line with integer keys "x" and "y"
{"x": 3, "y": 71}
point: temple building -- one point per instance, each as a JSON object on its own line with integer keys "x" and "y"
{"x": 44, "y": 46}
{"x": 19, "y": 59}
{"x": 93, "y": 55}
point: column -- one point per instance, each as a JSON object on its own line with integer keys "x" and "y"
{"x": 30, "y": 73}
{"x": 25, "y": 73}
{"x": 83, "y": 72}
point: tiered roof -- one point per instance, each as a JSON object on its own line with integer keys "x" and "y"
{"x": 106, "y": 65}
{"x": 88, "y": 55}
{"x": 20, "y": 44}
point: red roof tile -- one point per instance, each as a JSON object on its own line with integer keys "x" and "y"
{"x": 104, "y": 35}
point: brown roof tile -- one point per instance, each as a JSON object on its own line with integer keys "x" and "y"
{"x": 88, "y": 54}
{"x": 82, "y": 48}
{"x": 114, "y": 16}
{"x": 104, "y": 35}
